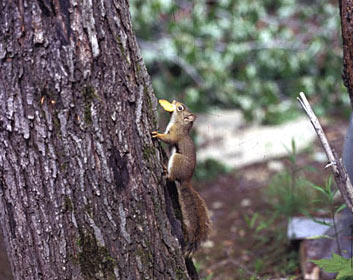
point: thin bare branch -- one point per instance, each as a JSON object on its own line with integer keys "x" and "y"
{"x": 340, "y": 174}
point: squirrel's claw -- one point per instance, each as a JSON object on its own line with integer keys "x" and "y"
{"x": 154, "y": 134}
{"x": 165, "y": 169}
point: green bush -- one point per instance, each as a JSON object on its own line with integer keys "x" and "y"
{"x": 290, "y": 192}
{"x": 253, "y": 55}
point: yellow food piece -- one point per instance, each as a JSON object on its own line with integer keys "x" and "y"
{"x": 169, "y": 107}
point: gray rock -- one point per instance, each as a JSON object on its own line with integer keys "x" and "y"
{"x": 302, "y": 227}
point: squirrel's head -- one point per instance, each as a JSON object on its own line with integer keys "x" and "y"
{"x": 179, "y": 113}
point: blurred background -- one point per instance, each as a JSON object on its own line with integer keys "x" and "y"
{"x": 251, "y": 55}
{"x": 239, "y": 65}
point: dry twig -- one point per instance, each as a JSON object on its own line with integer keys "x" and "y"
{"x": 340, "y": 174}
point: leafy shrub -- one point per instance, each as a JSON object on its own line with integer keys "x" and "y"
{"x": 210, "y": 169}
{"x": 254, "y": 55}
{"x": 290, "y": 192}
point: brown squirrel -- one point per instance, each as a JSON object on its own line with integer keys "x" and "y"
{"x": 181, "y": 166}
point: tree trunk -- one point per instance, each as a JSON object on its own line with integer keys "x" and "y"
{"x": 346, "y": 13}
{"x": 82, "y": 194}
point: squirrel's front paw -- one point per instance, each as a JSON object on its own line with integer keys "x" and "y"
{"x": 154, "y": 134}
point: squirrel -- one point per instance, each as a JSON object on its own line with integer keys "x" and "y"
{"x": 181, "y": 167}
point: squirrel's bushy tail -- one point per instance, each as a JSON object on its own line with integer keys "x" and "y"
{"x": 197, "y": 224}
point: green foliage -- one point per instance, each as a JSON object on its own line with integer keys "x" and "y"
{"x": 337, "y": 264}
{"x": 289, "y": 191}
{"x": 271, "y": 243}
{"x": 209, "y": 169}
{"x": 329, "y": 193}
{"x": 284, "y": 200}
{"x": 258, "y": 224}
{"x": 328, "y": 196}
{"x": 254, "y": 55}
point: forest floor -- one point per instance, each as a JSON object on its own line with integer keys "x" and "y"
{"x": 249, "y": 235}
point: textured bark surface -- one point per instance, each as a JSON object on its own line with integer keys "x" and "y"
{"x": 81, "y": 192}
{"x": 346, "y": 13}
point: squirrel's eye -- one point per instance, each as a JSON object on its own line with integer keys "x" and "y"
{"x": 180, "y": 108}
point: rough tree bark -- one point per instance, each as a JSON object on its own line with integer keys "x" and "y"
{"x": 346, "y": 13}
{"x": 81, "y": 185}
